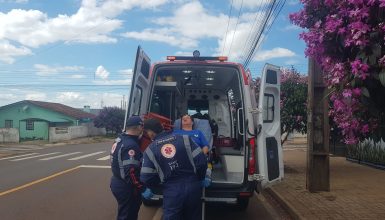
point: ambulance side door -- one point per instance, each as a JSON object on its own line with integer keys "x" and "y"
{"x": 137, "y": 103}
{"x": 270, "y": 158}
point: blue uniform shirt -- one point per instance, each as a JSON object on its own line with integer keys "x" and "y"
{"x": 126, "y": 158}
{"x": 196, "y": 135}
{"x": 172, "y": 158}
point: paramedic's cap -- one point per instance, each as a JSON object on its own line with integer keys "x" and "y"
{"x": 153, "y": 125}
{"x": 134, "y": 121}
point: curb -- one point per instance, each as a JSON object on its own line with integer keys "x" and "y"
{"x": 286, "y": 205}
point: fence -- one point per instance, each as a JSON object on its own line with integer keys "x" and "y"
{"x": 9, "y": 135}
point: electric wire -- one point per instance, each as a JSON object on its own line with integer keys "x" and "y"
{"x": 235, "y": 30}
{"x": 227, "y": 29}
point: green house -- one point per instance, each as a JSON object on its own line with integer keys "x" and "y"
{"x": 34, "y": 118}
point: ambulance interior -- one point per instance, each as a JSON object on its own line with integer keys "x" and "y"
{"x": 210, "y": 93}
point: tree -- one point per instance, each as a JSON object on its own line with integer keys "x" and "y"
{"x": 111, "y": 118}
{"x": 346, "y": 37}
{"x": 293, "y": 102}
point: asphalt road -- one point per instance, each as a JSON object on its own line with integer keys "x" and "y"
{"x": 72, "y": 182}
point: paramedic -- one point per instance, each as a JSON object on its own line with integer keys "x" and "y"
{"x": 179, "y": 164}
{"x": 125, "y": 164}
{"x": 197, "y": 136}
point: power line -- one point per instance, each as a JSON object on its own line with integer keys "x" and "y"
{"x": 274, "y": 9}
{"x": 228, "y": 23}
{"x": 235, "y": 30}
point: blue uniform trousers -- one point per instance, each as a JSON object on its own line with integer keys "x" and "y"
{"x": 129, "y": 200}
{"x": 182, "y": 200}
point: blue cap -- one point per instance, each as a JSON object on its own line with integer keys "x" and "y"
{"x": 134, "y": 121}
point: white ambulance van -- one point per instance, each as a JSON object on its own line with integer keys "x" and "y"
{"x": 245, "y": 127}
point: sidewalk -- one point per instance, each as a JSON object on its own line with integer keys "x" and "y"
{"x": 356, "y": 191}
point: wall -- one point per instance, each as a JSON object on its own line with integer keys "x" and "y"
{"x": 9, "y": 135}
{"x": 67, "y": 133}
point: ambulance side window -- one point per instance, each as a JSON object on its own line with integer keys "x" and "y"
{"x": 137, "y": 98}
{"x": 268, "y": 111}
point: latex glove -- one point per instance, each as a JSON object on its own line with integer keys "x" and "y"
{"x": 147, "y": 194}
{"x": 206, "y": 182}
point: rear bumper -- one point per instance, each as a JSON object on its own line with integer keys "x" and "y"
{"x": 229, "y": 195}
{"x": 217, "y": 194}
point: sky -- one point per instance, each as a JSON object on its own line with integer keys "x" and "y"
{"x": 82, "y": 52}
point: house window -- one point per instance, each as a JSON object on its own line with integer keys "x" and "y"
{"x": 8, "y": 123}
{"x": 29, "y": 125}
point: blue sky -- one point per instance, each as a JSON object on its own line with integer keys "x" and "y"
{"x": 81, "y": 52}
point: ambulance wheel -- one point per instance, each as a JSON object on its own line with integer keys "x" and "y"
{"x": 242, "y": 204}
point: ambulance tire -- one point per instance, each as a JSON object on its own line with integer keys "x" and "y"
{"x": 242, "y": 204}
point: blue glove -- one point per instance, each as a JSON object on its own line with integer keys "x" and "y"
{"x": 206, "y": 182}
{"x": 147, "y": 194}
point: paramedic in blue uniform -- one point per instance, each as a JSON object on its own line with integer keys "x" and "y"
{"x": 179, "y": 165}
{"x": 196, "y": 135}
{"x": 126, "y": 159}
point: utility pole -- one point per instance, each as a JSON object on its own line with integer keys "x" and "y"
{"x": 318, "y": 174}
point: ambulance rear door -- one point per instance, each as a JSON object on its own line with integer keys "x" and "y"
{"x": 137, "y": 102}
{"x": 269, "y": 150}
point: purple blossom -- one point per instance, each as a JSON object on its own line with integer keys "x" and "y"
{"x": 382, "y": 3}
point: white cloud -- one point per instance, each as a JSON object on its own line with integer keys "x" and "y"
{"x": 92, "y": 23}
{"x": 37, "y": 96}
{"x": 277, "y": 52}
{"x": 126, "y": 73}
{"x": 101, "y": 72}
{"x": 68, "y": 96}
{"x": 113, "y": 82}
{"x": 189, "y": 23}
{"x": 14, "y": 1}
{"x": 162, "y": 35}
{"x": 183, "y": 53}
{"x": 77, "y": 76}
{"x": 8, "y": 52}
{"x": 45, "y": 70}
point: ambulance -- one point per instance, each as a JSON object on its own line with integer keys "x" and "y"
{"x": 243, "y": 121}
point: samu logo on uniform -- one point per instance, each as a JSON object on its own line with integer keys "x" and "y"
{"x": 168, "y": 150}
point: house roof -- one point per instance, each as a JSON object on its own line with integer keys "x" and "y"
{"x": 57, "y": 107}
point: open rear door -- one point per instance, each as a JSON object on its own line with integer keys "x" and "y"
{"x": 137, "y": 101}
{"x": 270, "y": 158}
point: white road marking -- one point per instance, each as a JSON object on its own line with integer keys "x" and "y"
{"x": 87, "y": 155}
{"x": 104, "y": 158}
{"x": 63, "y": 155}
{"x": 12, "y": 157}
{"x": 94, "y": 166}
{"x": 41, "y": 155}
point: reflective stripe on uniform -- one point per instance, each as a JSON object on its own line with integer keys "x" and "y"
{"x": 121, "y": 166}
{"x": 147, "y": 170}
{"x": 196, "y": 152}
{"x": 131, "y": 162}
{"x": 151, "y": 157}
{"x": 188, "y": 150}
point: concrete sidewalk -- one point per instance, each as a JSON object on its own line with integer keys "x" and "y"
{"x": 356, "y": 191}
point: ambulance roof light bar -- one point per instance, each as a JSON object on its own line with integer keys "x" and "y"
{"x": 196, "y": 57}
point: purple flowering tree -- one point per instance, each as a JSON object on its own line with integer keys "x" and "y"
{"x": 111, "y": 118}
{"x": 346, "y": 38}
